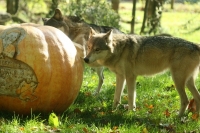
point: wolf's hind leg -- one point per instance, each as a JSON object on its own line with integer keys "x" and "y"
{"x": 191, "y": 86}
{"x": 180, "y": 86}
{"x": 99, "y": 71}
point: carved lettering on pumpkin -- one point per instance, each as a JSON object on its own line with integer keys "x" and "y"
{"x": 17, "y": 79}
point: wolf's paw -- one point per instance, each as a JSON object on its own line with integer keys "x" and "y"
{"x": 115, "y": 105}
{"x": 131, "y": 108}
{"x": 127, "y": 107}
{"x": 123, "y": 107}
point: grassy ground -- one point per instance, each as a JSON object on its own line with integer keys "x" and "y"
{"x": 157, "y": 99}
{"x": 180, "y": 22}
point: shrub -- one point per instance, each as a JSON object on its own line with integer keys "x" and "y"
{"x": 93, "y": 11}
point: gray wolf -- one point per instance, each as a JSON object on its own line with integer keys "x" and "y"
{"x": 78, "y": 31}
{"x": 131, "y": 55}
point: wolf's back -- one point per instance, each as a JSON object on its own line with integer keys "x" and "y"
{"x": 164, "y": 42}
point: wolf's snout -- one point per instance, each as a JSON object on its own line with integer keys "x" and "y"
{"x": 86, "y": 60}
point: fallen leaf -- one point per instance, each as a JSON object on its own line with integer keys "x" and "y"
{"x": 101, "y": 113}
{"x": 56, "y": 130}
{"x": 87, "y": 94}
{"x": 77, "y": 111}
{"x": 150, "y": 106}
{"x": 115, "y": 128}
{"x": 145, "y": 130}
{"x": 21, "y": 128}
{"x": 195, "y": 116}
{"x": 168, "y": 127}
{"x": 85, "y": 130}
{"x": 34, "y": 128}
{"x": 167, "y": 113}
{"x": 192, "y": 106}
{"x": 71, "y": 126}
{"x": 53, "y": 120}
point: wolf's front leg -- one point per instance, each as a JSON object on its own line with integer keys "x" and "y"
{"x": 120, "y": 82}
{"x": 131, "y": 85}
{"x": 99, "y": 71}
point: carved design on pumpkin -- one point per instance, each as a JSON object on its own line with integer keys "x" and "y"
{"x": 17, "y": 79}
{"x": 12, "y": 36}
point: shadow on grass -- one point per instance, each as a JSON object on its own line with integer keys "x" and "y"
{"x": 97, "y": 110}
{"x": 90, "y": 110}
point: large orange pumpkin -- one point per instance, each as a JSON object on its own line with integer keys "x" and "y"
{"x": 40, "y": 70}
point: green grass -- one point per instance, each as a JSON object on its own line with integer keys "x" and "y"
{"x": 157, "y": 100}
{"x": 181, "y": 22}
{"x": 91, "y": 113}
{"x": 155, "y": 95}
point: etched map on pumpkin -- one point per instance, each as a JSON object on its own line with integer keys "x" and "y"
{"x": 17, "y": 79}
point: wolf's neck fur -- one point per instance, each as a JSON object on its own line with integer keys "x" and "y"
{"x": 123, "y": 45}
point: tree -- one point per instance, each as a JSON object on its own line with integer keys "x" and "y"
{"x": 97, "y": 12}
{"x": 133, "y": 17}
{"x": 53, "y": 6}
{"x": 172, "y": 4}
{"x": 12, "y": 6}
{"x": 145, "y": 16}
{"x": 152, "y": 15}
{"x": 115, "y": 5}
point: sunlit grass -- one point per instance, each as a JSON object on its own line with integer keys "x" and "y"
{"x": 157, "y": 107}
{"x": 181, "y": 22}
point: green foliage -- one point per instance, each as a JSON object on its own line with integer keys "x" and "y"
{"x": 31, "y": 11}
{"x": 93, "y": 11}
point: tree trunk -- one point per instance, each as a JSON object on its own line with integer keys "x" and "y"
{"x": 133, "y": 17}
{"x": 172, "y": 4}
{"x": 12, "y": 6}
{"x": 145, "y": 16}
{"x": 53, "y": 7}
{"x": 115, "y": 5}
{"x": 78, "y": 1}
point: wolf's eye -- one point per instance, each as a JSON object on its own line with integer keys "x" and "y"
{"x": 97, "y": 49}
{"x": 88, "y": 47}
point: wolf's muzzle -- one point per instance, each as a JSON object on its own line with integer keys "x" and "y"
{"x": 86, "y": 60}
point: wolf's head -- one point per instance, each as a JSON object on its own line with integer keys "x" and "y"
{"x": 73, "y": 26}
{"x": 57, "y": 21}
{"x": 99, "y": 46}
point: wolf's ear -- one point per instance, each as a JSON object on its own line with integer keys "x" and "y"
{"x": 92, "y": 32}
{"x": 108, "y": 36}
{"x": 58, "y": 15}
{"x": 45, "y": 20}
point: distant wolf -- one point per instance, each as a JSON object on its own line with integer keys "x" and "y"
{"x": 78, "y": 31}
{"x": 131, "y": 55}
